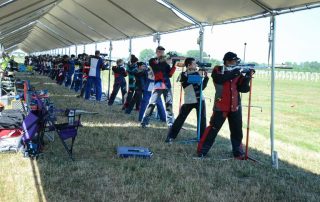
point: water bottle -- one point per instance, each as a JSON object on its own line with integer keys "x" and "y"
{"x": 71, "y": 117}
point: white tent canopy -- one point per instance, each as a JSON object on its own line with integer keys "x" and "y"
{"x": 27, "y": 24}
{"x": 222, "y": 11}
{"x": 69, "y": 22}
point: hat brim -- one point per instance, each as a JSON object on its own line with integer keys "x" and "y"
{"x": 160, "y": 48}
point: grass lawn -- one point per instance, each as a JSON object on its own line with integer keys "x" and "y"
{"x": 172, "y": 174}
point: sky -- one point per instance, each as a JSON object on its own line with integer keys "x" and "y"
{"x": 297, "y": 40}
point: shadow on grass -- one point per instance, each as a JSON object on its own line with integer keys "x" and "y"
{"x": 98, "y": 174}
{"x": 172, "y": 174}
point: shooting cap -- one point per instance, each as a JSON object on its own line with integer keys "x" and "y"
{"x": 133, "y": 59}
{"x": 141, "y": 63}
{"x": 160, "y": 48}
{"x": 230, "y": 56}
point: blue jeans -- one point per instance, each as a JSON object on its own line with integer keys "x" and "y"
{"x": 68, "y": 81}
{"x": 97, "y": 85}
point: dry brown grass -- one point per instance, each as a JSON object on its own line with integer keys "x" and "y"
{"x": 171, "y": 175}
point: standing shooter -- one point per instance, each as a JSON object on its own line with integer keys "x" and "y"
{"x": 192, "y": 92}
{"x": 228, "y": 82}
{"x": 162, "y": 86}
{"x": 96, "y": 65}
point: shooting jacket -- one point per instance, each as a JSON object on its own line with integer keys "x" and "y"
{"x": 162, "y": 73}
{"x": 191, "y": 90}
{"x": 131, "y": 77}
{"x": 228, "y": 83}
{"x": 119, "y": 74}
{"x": 140, "y": 78}
{"x": 96, "y": 64}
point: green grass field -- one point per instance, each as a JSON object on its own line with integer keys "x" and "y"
{"x": 172, "y": 174}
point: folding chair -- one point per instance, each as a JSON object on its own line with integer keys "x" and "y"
{"x": 47, "y": 123}
{"x": 43, "y": 112}
{"x": 30, "y": 139}
{"x": 34, "y": 126}
{"x": 68, "y": 130}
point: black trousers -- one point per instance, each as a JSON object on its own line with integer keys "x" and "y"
{"x": 116, "y": 88}
{"x": 83, "y": 87}
{"x": 136, "y": 100}
{"x": 129, "y": 97}
{"x": 184, "y": 112}
{"x": 216, "y": 121}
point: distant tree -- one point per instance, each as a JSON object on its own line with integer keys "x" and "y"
{"x": 146, "y": 54}
{"x": 309, "y": 66}
{"x": 312, "y": 66}
{"x": 214, "y": 62}
{"x": 175, "y": 52}
{"x": 195, "y": 54}
{"x": 206, "y": 58}
{"x": 255, "y": 63}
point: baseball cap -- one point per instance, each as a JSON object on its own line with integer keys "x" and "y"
{"x": 160, "y": 48}
{"x": 141, "y": 63}
{"x": 230, "y": 56}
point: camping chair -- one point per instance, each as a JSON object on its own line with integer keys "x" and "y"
{"x": 31, "y": 138}
{"x": 47, "y": 123}
{"x": 67, "y": 130}
{"x": 42, "y": 109}
{"x": 34, "y": 126}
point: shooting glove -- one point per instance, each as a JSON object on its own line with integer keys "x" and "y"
{"x": 236, "y": 72}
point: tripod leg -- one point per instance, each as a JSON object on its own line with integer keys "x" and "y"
{"x": 248, "y": 118}
{"x": 180, "y": 101}
{"x": 200, "y": 111}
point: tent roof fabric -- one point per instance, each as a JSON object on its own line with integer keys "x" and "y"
{"x": 219, "y": 11}
{"x": 38, "y": 25}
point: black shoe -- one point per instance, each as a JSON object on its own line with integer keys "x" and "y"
{"x": 127, "y": 111}
{"x": 239, "y": 153}
{"x": 199, "y": 156}
{"x": 143, "y": 125}
{"x": 239, "y": 157}
{"x": 169, "y": 140}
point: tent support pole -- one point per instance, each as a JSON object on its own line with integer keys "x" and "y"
{"x": 274, "y": 155}
{"x": 130, "y": 47}
{"x": 201, "y": 40}
{"x": 110, "y": 67}
{"x": 158, "y": 38}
